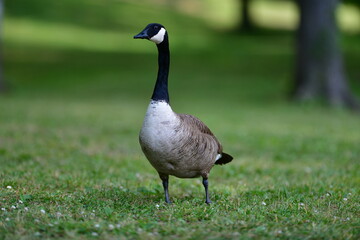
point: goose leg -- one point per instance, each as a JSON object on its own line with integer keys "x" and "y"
{"x": 165, "y": 182}
{"x": 206, "y": 185}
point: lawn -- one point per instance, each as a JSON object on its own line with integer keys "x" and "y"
{"x": 71, "y": 166}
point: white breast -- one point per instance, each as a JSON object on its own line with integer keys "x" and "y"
{"x": 159, "y": 127}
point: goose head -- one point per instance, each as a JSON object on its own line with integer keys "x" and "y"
{"x": 154, "y": 32}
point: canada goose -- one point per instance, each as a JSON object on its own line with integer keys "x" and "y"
{"x": 175, "y": 144}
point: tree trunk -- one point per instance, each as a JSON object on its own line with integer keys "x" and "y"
{"x": 2, "y": 80}
{"x": 245, "y": 15}
{"x": 319, "y": 63}
{"x": 245, "y": 23}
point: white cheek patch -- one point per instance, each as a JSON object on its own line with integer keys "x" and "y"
{"x": 159, "y": 37}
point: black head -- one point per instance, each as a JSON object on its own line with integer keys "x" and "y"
{"x": 154, "y": 32}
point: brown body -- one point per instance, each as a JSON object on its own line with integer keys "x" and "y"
{"x": 178, "y": 144}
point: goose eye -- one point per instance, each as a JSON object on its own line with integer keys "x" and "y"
{"x": 156, "y": 27}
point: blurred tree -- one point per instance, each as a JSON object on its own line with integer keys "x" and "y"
{"x": 354, "y": 2}
{"x": 245, "y": 23}
{"x": 319, "y": 63}
{"x": 2, "y": 80}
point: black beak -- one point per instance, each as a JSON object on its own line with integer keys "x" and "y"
{"x": 142, "y": 35}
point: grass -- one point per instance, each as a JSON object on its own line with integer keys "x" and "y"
{"x": 81, "y": 164}
{"x": 71, "y": 165}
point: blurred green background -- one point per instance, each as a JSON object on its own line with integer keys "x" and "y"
{"x": 77, "y": 88}
{"x": 84, "y": 49}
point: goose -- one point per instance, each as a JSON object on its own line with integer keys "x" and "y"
{"x": 175, "y": 144}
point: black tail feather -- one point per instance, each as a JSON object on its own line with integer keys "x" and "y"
{"x": 225, "y": 158}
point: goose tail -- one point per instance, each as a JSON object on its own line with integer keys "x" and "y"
{"x": 223, "y": 158}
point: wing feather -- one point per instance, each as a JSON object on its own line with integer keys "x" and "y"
{"x": 197, "y": 125}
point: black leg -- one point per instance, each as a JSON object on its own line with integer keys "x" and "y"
{"x": 165, "y": 182}
{"x": 206, "y": 185}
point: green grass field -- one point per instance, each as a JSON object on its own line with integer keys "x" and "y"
{"x": 70, "y": 163}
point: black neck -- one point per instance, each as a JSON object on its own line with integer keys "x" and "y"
{"x": 161, "y": 87}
